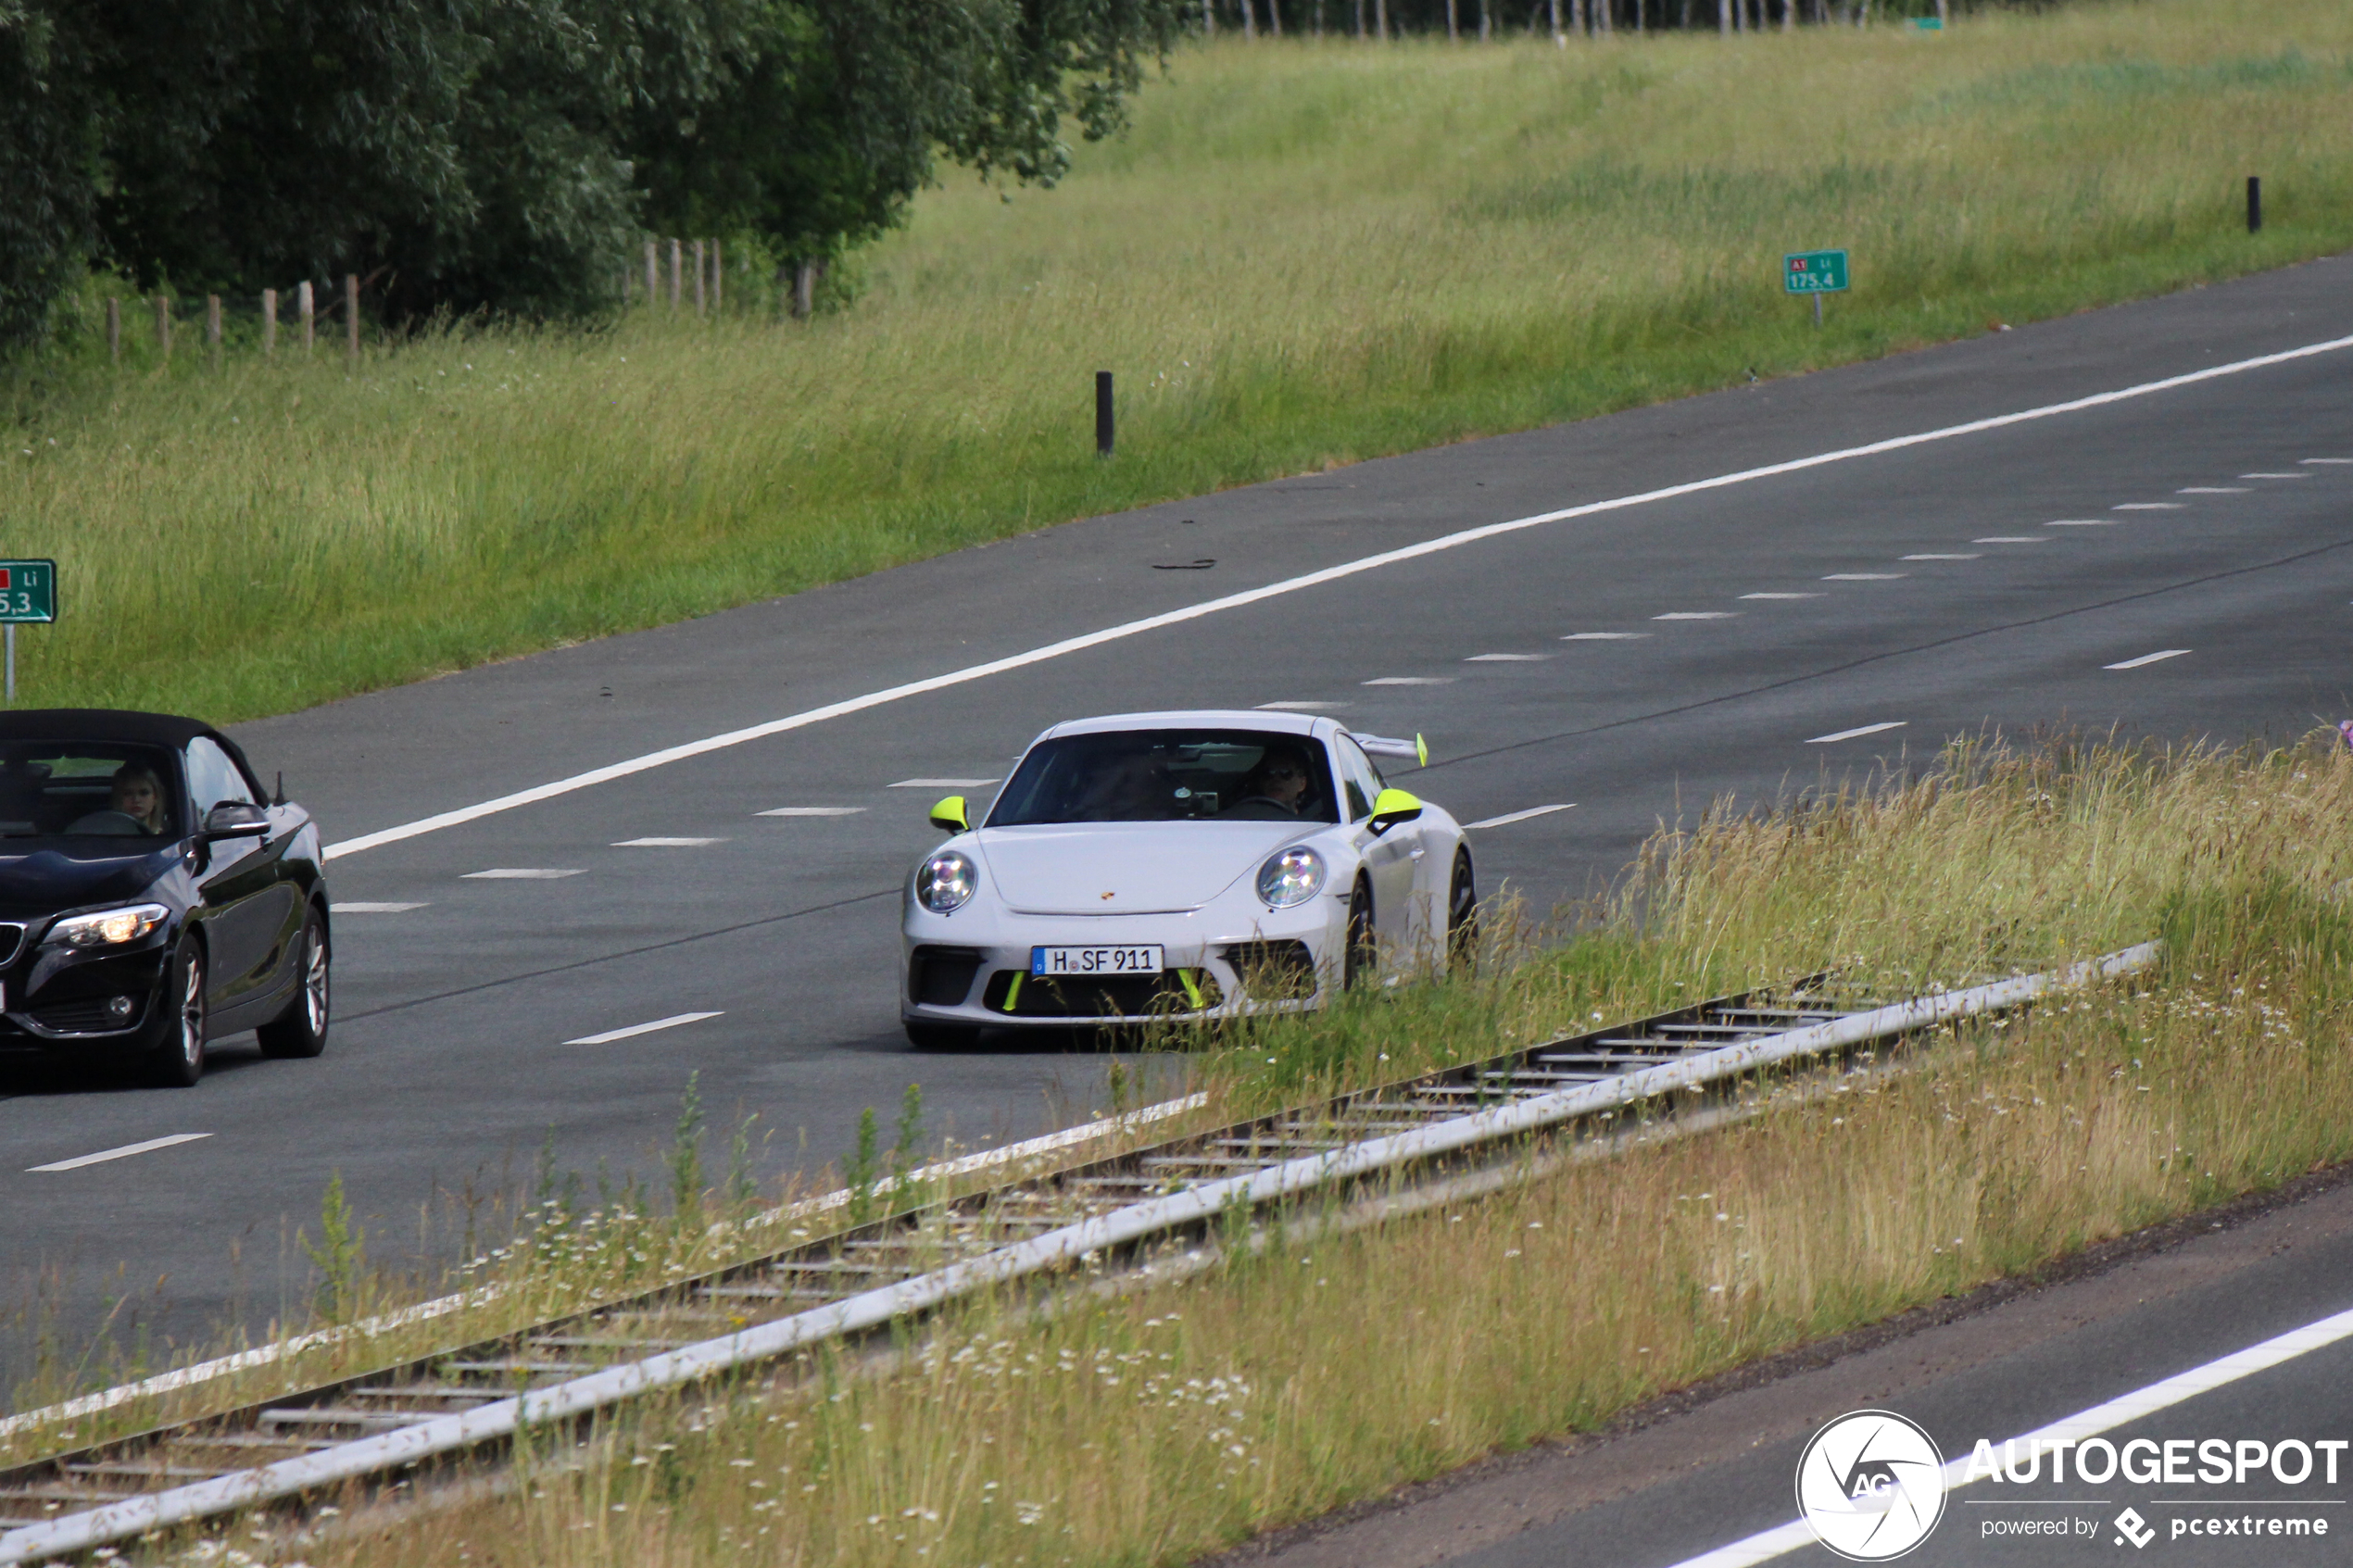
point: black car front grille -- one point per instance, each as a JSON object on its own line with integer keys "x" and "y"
{"x": 1018, "y": 993}
{"x": 11, "y": 940}
{"x": 941, "y": 977}
{"x": 88, "y": 1015}
{"x": 1273, "y": 971}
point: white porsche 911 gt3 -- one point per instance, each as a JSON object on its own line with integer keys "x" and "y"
{"x": 1151, "y": 866}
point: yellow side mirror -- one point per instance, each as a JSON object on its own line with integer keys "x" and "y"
{"x": 1393, "y": 807}
{"x": 948, "y": 815}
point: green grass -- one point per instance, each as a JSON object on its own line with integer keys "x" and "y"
{"x": 1302, "y": 255}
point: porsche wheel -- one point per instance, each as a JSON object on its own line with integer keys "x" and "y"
{"x": 942, "y": 1036}
{"x": 1360, "y": 960}
{"x": 1462, "y": 913}
{"x": 178, "y": 1061}
{"x": 301, "y": 1030}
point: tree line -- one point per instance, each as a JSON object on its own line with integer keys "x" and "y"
{"x": 508, "y": 156}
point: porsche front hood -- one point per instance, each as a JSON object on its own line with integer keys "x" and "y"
{"x": 1125, "y": 867}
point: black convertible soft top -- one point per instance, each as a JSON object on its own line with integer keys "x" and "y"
{"x": 114, "y": 725}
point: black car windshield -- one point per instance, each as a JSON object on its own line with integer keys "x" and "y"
{"x": 1167, "y": 776}
{"x": 87, "y": 789}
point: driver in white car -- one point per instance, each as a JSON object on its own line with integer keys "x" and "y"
{"x": 1282, "y": 777}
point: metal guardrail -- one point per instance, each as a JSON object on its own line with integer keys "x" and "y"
{"x": 545, "y": 1377}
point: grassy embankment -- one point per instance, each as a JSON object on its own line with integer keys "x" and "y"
{"x": 1301, "y": 255}
{"x": 1150, "y": 1429}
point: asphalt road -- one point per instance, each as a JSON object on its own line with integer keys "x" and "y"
{"x": 2000, "y": 577}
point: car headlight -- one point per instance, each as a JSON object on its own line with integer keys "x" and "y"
{"x": 946, "y": 881}
{"x": 108, "y": 928}
{"x": 1293, "y": 877}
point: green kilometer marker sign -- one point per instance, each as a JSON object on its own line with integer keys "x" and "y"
{"x": 1815, "y": 272}
{"x": 27, "y": 596}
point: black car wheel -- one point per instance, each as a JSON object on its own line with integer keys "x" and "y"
{"x": 301, "y": 1030}
{"x": 178, "y": 1061}
{"x": 1462, "y": 913}
{"x": 1359, "y": 960}
{"x": 942, "y": 1036}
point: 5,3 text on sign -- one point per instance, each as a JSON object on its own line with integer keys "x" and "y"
{"x": 28, "y": 591}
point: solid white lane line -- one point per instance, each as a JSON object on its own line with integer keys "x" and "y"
{"x": 1300, "y": 707}
{"x": 666, "y": 843}
{"x": 1509, "y": 817}
{"x": 1411, "y": 680}
{"x": 2146, "y": 659}
{"x": 2015, "y": 538}
{"x": 2211, "y": 490}
{"x": 970, "y": 672}
{"x": 370, "y": 908}
{"x": 1864, "y": 576}
{"x": 2100, "y": 1419}
{"x": 517, "y": 873}
{"x": 941, "y": 784}
{"x": 1602, "y": 636}
{"x": 609, "y": 1035}
{"x": 2084, "y": 523}
{"x": 2146, "y": 506}
{"x": 1507, "y": 658}
{"x": 1780, "y": 595}
{"x": 1944, "y": 558}
{"x": 1696, "y": 615}
{"x": 2275, "y": 476}
{"x": 125, "y": 1152}
{"x": 1860, "y": 730}
{"x": 811, "y": 811}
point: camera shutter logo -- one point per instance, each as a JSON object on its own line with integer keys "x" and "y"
{"x": 1871, "y": 1485}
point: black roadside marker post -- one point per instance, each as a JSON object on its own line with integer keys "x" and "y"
{"x": 1102, "y": 414}
{"x": 2254, "y": 203}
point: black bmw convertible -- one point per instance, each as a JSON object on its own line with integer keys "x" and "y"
{"x": 152, "y": 895}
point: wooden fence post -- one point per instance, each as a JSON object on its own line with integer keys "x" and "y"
{"x": 212, "y": 327}
{"x": 114, "y": 331}
{"x": 653, "y": 275}
{"x": 804, "y": 290}
{"x": 677, "y": 265}
{"x": 309, "y": 316}
{"x": 163, "y": 325}
{"x": 702, "y": 301}
{"x": 718, "y": 278}
{"x": 269, "y": 323}
{"x": 351, "y": 321}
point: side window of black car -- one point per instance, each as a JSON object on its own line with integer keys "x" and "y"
{"x": 212, "y": 778}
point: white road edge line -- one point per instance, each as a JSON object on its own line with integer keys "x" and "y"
{"x": 2127, "y": 1407}
{"x": 1510, "y": 817}
{"x": 1291, "y": 585}
{"x": 673, "y": 1022}
{"x": 125, "y": 1152}
{"x": 811, "y": 811}
{"x": 440, "y": 1307}
{"x": 372, "y": 907}
{"x": 2146, "y": 659}
{"x": 1861, "y": 730}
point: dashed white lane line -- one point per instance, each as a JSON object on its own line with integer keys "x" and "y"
{"x": 1944, "y": 558}
{"x": 2331, "y": 460}
{"x": 1859, "y": 730}
{"x": 2014, "y": 538}
{"x": 2211, "y": 490}
{"x": 1696, "y": 615}
{"x": 2146, "y": 506}
{"x": 811, "y": 811}
{"x": 517, "y": 873}
{"x": 1602, "y": 636}
{"x": 666, "y": 843}
{"x": 1338, "y": 572}
{"x": 2083, "y": 522}
{"x": 1780, "y": 595}
{"x": 2275, "y": 476}
{"x": 377, "y": 908}
{"x": 125, "y": 1152}
{"x": 1863, "y": 576}
{"x": 609, "y": 1035}
{"x": 1510, "y": 817}
{"x": 941, "y": 784}
{"x": 1507, "y": 658}
{"x": 2146, "y": 658}
{"x": 1411, "y": 680}
{"x": 1300, "y": 707}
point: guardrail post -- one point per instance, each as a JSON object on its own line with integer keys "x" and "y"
{"x": 2254, "y": 203}
{"x": 1102, "y": 414}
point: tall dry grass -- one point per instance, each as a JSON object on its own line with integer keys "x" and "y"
{"x": 1302, "y": 255}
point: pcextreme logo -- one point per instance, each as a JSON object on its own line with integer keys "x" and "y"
{"x": 1871, "y": 1485}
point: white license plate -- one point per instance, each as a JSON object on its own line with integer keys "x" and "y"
{"x": 1049, "y": 962}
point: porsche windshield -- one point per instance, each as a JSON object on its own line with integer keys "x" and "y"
{"x": 87, "y": 789}
{"x": 1169, "y": 776}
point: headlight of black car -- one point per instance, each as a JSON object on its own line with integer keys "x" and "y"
{"x": 946, "y": 881}
{"x": 107, "y": 928}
